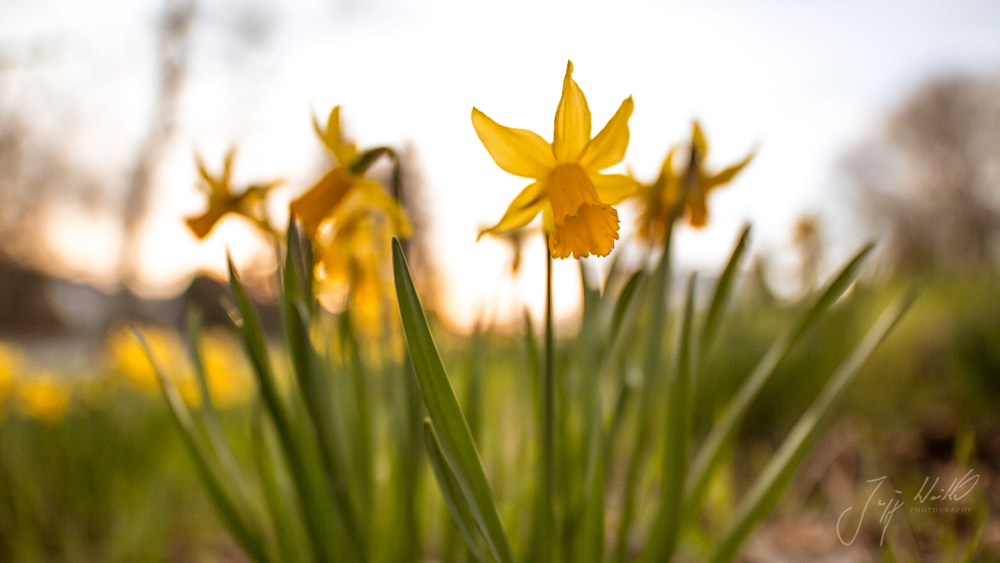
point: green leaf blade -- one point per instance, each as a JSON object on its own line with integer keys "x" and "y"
{"x": 766, "y": 490}
{"x": 442, "y": 406}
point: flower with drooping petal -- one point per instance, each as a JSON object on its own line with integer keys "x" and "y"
{"x": 222, "y": 200}
{"x": 702, "y": 181}
{"x": 690, "y": 189}
{"x": 574, "y": 199}
{"x": 321, "y": 201}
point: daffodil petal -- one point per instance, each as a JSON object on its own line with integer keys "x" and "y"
{"x": 342, "y": 151}
{"x": 548, "y": 217}
{"x": 333, "y": 126}
{"x": 613, "y": 188}
{"x": 320, "y": 201}
{"x": 572, "y": 125}
{"x": 698, "y": 206}
{"x": 518, "y": 151}
{"x": 667, "y": 168}
{"x": 522, "y": 210}
{"x": 727, "y": 174}
{"x": 608, "y": 147}
{"x": 698, "y": 142}
{"x": 203, "y": 224}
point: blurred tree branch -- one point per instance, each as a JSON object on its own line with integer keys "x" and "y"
{"x": 929, "y": 183}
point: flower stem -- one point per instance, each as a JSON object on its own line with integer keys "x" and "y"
{"x": 548, "y": 419}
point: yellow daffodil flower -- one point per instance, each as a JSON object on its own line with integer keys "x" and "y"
{"x": 227, "y": 374}
{"x": 128, "y": 359}
{"x": 321, "y": 201}
{"x": 11, "y": 364}
{"x": 222, "y": 201}
{"x": 659, "y": 201}
{"x": 44, "y": 398}
{"x": 701, "y": 181}
{"x": 574, "y": 199}
{"x": 353, "y": 262}
{"x": 673, "y": 193}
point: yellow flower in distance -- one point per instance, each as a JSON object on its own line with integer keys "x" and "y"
{"x": 229, "y": 379}
{"x": 323, "y": 199}
{"x": 659, "y": 201}
{"x": 222, "y": 201}
{"x": 574, "y": 199}
{"x": 129, "y": 360}
{"x": 43, "y": 398}
{"x": 673, "y": 193}
{"x": 11, "y": 366}
{"x": 701, "y": 181}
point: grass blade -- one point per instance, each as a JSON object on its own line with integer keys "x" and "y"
{"x": 316, "y": 396}
{"x": 766, "y": 490}
{"x": 710, "y": 453}
{"x": 246, "y": 532}
{"x": 662, "y": 540}
{"x": 358, "y": 407}
{"x": 656, "y": 289}
{"x": 442, "y": 406}
{"x": 622, "y": 305}
{"x": 534, "y": 365}
{"x": 452, "y": 492}
{"x": 323, "y": 529}
{"x": 277, "y": 496}
{"x": 723, "y": 289}
{"x": 210, "y": 415}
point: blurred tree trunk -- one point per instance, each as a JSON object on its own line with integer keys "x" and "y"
{"x": 175, "y": 33}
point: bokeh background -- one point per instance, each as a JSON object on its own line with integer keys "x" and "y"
{"x": 873, "y": 121}
{"x": 104, "y": 105}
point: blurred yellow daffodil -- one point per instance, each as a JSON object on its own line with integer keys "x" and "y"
{"x": 11, "y": 364}
{"x": 352, "y": 263}
{"x": 222, "y": 200}
{"x": 701, "y": 181}
{"x": 128, "y": 359}
{"x": 673, "y": 193}
{"x": 574, "y": 199}
{"x": 227, "y": 374}
{"x": 44, "y": 398}
{"x": 659, "y": 201}
{"x": 320, "y": 202}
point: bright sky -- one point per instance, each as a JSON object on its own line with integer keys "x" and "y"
{"x": 805, "y": 80}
